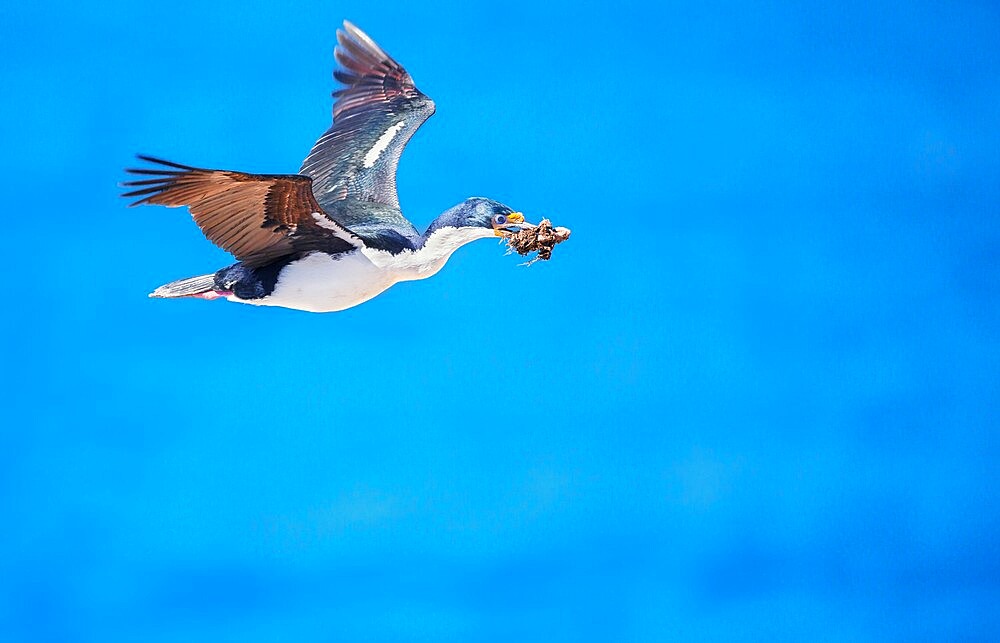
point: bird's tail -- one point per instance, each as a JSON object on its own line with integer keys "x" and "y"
{"x": 190, "y": 287}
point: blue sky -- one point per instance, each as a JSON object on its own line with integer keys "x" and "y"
{"x": 753, "y": 398}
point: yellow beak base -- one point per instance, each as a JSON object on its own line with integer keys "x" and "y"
{"x": 513, "y": 217}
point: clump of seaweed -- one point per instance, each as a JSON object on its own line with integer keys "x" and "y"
{"x": 541, "y": 239}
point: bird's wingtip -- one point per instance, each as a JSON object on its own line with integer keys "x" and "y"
{"x": 349, "y": 29}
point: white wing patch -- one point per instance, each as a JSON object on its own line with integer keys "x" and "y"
{"x": 383, "y": 142}
{"x": 324, "y": 221}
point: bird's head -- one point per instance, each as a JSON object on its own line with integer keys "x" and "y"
{"x": 483, "y": 218}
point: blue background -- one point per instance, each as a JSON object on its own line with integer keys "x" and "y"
{"x": 754, "y": 398}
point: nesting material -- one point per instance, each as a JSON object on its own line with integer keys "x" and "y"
{"x": 541, "y": 239}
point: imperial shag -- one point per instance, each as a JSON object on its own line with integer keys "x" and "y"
{"x": 332, "y": 236}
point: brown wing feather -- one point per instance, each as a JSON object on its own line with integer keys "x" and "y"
{"x": 256, "y": 217}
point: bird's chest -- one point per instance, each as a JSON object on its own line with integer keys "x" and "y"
{"x": 323, "y": 283}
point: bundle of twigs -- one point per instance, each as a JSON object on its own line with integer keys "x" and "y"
{"x": 541, "y": 239}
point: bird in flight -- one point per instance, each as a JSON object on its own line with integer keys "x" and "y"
{"x": 331, "y": 236}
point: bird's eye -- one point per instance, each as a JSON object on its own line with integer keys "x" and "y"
{"x": 499, "y": 219}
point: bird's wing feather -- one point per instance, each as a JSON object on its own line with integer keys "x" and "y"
{"x": 256, "y": 217}
{"x": 374, "y": 115}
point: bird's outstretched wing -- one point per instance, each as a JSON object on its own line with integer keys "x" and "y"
{"x": 374, "y": 116}
{"x": 256, "y": 217}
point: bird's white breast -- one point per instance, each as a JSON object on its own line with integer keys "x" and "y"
{"x": 323, "y": 283}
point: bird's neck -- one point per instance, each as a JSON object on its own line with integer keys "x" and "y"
{"x": 444, "y": 241}
{"x": 434, "y": 249}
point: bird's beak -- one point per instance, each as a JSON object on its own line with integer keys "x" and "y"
{"x": 515, "y": 223}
